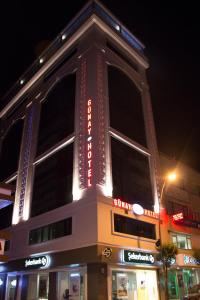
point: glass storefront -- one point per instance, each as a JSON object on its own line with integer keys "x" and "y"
{"x": 184, "y": 284}
{"x": 134, "y": 284}
{"x": 11, "y": 288}
{"x": 38, "y": 286}
{"x": 69, "y": 284}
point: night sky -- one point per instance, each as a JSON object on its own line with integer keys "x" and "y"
{"x": 170, "y": 32}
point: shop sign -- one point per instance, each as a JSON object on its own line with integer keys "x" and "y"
{"x": 136, "y": 257}
{"x": 182, "y": 259}
{"x": 107, "y": 252}
{"x": 135, "y": 208}
{"x": 182, "y": 220}
{"x": 2, "y": 243}
{"x": 36, "y": 262}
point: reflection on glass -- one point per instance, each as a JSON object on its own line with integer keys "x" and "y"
{"x": 134, "y": 285}
{"x": 11, "y": 288}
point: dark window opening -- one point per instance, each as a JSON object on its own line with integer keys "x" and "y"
{"x": 131, "y": 175}
{"x": 10, "y": 150}
{"x": 126, "y": 112}
{"x": 7, "y": 245}
{"x": 53, "y": 182}
{"x": 134, "y": 227}
{"x": 6, "y": 216}
{"x": 50, "y": 232}
{"x": 57, "y": 114}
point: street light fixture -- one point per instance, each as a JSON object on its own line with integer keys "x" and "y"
{"x": 170, "y": 177}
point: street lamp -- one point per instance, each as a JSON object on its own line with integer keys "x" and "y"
{"x": 170, "y": 177}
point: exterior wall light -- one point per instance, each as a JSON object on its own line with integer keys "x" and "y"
{"x": 41, "y": 60}
{"x": 63, "y": 37}
{"x": 21, "y": 81}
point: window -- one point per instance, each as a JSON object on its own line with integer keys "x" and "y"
{"x": 53, "y": 182}
{"x": 50, "y": 232}
{"x": 134, "y": 227}
{"x": 52, "y": 185}
{"x": 131, "y": 175}
{"x": 57, "y": 114}
{"x": 38, "y": 286}
{"x": 126, "y": 112}
{"x": 9, "y": 155}
{"x": 182, "y": 241}
{"x": 134, "y": 284}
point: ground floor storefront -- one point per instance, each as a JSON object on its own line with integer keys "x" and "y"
{"x": 91, "y": 273}
{"x": 184, "y": 283}
{"x": 184, "y": 279}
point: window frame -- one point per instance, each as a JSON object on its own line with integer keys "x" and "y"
{"x": 188, "y": 240}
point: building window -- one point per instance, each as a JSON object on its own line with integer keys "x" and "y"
{"x": 131, "y": 175}
{"x": 57, "y": 114}
{"x": 134, "y": 284}
{"x": 38, "y": 286}
{"x": 53, "y": 181}
{"x": 50, "y": 232}
{"x": 10, "y": 150}
{"x": 134, "y": 227}
{"x": 182, "y": 241}
{"x": 126, "y": 112}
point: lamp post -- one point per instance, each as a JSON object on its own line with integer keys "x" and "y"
{"x": 169, "y": 178}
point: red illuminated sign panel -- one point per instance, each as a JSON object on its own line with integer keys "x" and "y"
{"x": 178, "y": 217}
{"x": 89, "y": 142}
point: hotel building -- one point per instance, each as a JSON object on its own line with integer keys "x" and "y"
{"x": 78, "y": 143}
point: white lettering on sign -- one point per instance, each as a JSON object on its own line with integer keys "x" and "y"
{"x": 189, "y": 260}
{"x": 40, "y": 262}
{"x": 145, "y": 257}
{"x": 136, "y": 208}
{"x": 121, "y": 204}
{"x": 89, "y": 143}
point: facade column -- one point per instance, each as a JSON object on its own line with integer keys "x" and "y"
{"x": 97, "y": 281}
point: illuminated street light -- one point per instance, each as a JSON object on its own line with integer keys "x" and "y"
{"x": 170, "y": 177}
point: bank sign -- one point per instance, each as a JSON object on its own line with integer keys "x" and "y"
{"x": 137, "y": 257}
{"x": 37, "y": 262}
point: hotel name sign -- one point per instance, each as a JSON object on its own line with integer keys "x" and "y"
{"x": 135, "y": 208}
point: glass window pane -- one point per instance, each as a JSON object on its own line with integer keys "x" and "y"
{"x": 134, "y": 227}
{"x": 137, "y": 284}
{"x": 174, "y": 240}
{"x": 32, "y": 287}
{"x": 126, "y": 112}
{"x": 43, "y": 287}
{"x": 53, "y": 182}
{"x": 189, "y": 244}
{"x": 11, "y": 288}
{"x": 131, "y": 175}
{"x": 182, "y": 244}
{"x": 9, "y": 155}
{"x": 57, "y": 121}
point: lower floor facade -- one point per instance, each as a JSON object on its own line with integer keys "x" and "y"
{"x": 94, "y": 273}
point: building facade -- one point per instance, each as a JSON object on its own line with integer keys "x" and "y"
{"x": 78, "y": 142}
{"x": 180, "y": 214}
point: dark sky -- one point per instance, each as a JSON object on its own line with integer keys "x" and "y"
{"x": 170, "y": 31}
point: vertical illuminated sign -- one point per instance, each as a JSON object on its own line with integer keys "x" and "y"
{"x": 89, "y": 143}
